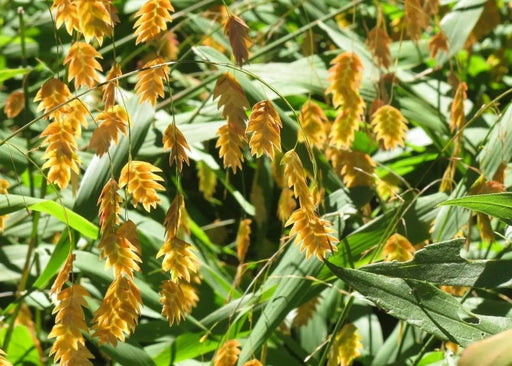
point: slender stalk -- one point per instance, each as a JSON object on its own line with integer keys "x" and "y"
{"x": 337, "y": 327}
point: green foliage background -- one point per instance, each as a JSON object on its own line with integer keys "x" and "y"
{"x": 399, "y": 310}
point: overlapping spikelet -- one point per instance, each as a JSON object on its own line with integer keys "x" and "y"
{"x": 238, "y": 33}
{"x": 313, "y": 120}
{"x": 416, "y": 19}
{"x": 3, "y": 359}
{"x": 305, "y": 312}
{"x": 3, "y": 190}
{"x": 82, "y": 66}
{"x": 110, "y": 207}
{"x": 379, "y": 43}
{"x": 207, "y": 179}
{"x": 232, "y": 100}
{"x": 111, "y": 122}
{"x": 66, "y": 12}
{"x": 63, "y": 275}
{"x": 173, "y": 300}
{"x": 121, "y": 249}
{"x": 312, "y": 232}
{"x": 179, "y": 259}
{"x": 458, "y": 119}
{"x": 431, "y": 7}
{"x": 69, "y": 345}
{"x": 253, "y": 362}
{"x": 174, "y": 140}
{"x": 265, "y": 124}
{"x": 109, "y": 89}
{"x": 118, "y": 313}
{"x": 152, "y": 19}
{"x": 96, "y": 18}
{"x": 150, "y": 82}
{"x": 390, "y": 126}
{"x": 355, "y": 167}
{"x": 141, "y": 183}
{"x": 342, "y": 131}
{"x": 14, "y": 104}
{"x": 168, "y": 46}
{"x": 345, "y": 75}
{"x": 228, "y": 353}
{"x": 243, "y": 239}
{"x": 286, "y": 205}
{"x": 230, "y": 144}
{"x": 345, "y": 347}
{"x": 399, "y": 248}
{"x": 52, "y": 94}
{"x": 439, "y": 42}
{"x": 60, "y": 154}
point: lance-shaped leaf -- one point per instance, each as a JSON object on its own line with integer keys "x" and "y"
{"x": 442, "y": 264}
{"x": 423, "y": 305}
{"x": 498, "y": 205}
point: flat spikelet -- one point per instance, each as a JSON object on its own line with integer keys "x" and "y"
{"x": 172, "y": 221}
{"x": 179, "y": 259}
{"x": 232, "y": 99}
{"x": 398, "y": 248}
{"x": 52, "y": 94}
{"x": 168, "y": 46}
{"x": 431, "y": 7}
{"x": 286, "y": 205}
{"x": 346, "y": 347}
{"x": 345, "y": 76}
{"x": 110, "y": 207}
{"x": 3, "y": 359}
{"x": 237, "y": 31}
{"x": 14, "y": 104}
{"x": 313, "y": 120}
{"x": 254, "y": 362}
{"x": 69, "y": 345}
{"x": 458, "y": 118}
{"x": 243, "y": 239}
{"x": 207, "y": 180}
{"x": 190, "y": 296}
{"x": 379, "y": 43}
{"x": 485, "y": 228}
{"x": 355, "y": 167}
{"x": 63, "y": 275}
{"x": 265, "y": 124}
{"x": 121, "y": 250}
{"x": 416, "y": 19}
{"x": 66, "y": 12}
{"x": 312, "y": 232}
{"x": 3, "y": 190}
{"x": 150, "y": 82}
{"x": 60, "y": 153}
{"x": 305, "y": 312}
{"x": 111, "y": 122}
{"x": 174, "y": 140}
{"x": 438, "y": 43}
{"x": 109, "y": 89}
{"x": 173, "y": 300}
{"x": 294, "y": 171}
{"x": 227, "y": 355}
{"x": 343, "y": 130}
{"x": 152, "y": 19}
{"x": 230, "y": 144}
{"x": 95, "y": 19}
{"x": 141, "y": 183}
{"x": 390, "y": 126}
{"x": 83, "y": 65}
{"x": 118, "y": 313}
